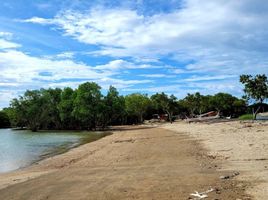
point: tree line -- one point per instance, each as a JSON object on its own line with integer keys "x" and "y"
{"x": 86, "y": 108}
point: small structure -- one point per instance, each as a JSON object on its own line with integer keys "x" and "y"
{"x": 262, "y": 116}
{"x": 156, "y": 116}
{"x": 161, "y": 117}
{"x": 164, "y": 117}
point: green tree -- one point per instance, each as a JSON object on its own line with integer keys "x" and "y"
{"x": 114, "y": 106}
{"x": 88, "y": 105}
{"x": 205, "y": 105}
{"x": 30, "y": 109}
{"x": 51, "y": 114}
{"x": 193, "y": 103}
{"x": 137, "y": 104}
{"x": 256, "y": 89}
{"x": 239, "y": 107}
{"x": 18, "y": 109}
{"x": 161, "y": 101}
{"x": 4, "y": 120}
{"x": 223, "y": 103}
{"x": 66, "y": 106}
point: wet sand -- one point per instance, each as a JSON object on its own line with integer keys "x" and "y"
{"x": 140, "y": 163}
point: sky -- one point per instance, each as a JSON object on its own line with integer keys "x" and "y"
{"x": 146, "y": 46}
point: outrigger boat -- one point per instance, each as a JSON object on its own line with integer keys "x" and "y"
{"x": 204, "y": 117}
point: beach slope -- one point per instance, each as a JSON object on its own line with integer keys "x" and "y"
{"x": 140, "y": 163}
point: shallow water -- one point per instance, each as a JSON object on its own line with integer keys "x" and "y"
{"x": 20, "y": 148}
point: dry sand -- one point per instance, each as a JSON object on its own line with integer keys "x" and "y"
{"x": 242, "y": 146}
{"x": 141, "y": 163}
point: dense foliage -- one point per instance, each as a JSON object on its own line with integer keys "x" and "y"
{"x": 87, "y": 108}
{"x": 225, "y": 104}
{"x": 164, "y": 103}
{"x": 256, "y": 90}
{"x": 137, "y": 105}
{"x": 83, "y": 108}
{"x": 4, "y": 120}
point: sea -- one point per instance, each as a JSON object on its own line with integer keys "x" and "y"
{"x": 21, "y": 148}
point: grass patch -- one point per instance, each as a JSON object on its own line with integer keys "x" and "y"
{"x": 246, "y": 117}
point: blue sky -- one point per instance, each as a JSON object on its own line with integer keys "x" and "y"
{"x": 176, "y": 46}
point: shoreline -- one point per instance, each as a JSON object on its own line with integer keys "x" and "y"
{"x": 39, "y": 167}
{"x": 137, "y": 162}
{"x": 43, "y": 165}
{"x": 83, "y": 137}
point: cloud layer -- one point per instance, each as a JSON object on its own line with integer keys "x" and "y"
{"x": 196, "y": 46}
{"x": 211, "y": 30}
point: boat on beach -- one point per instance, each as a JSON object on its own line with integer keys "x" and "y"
{"x": 204, "y": 117}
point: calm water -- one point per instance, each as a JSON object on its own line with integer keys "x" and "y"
{"x": 22, "y": 148}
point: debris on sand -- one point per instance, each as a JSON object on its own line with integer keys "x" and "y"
{"x": 121, "y": 141}
{"x": 201, "y": 195}
{"x": 230, "y": 176}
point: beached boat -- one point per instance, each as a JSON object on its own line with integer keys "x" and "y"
{"x": 204, "y": 117}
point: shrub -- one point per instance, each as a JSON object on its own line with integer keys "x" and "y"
{"x": 246, "y": 117}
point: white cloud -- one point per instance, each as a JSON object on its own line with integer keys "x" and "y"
{"x": 38, "y": 20}
{"x": 8, "y": 84}
{"x": 206, "y": 32}
{"x": 209, "y": 43}
{"x": 63, "y": 55}
{"x": 44, "y": 6}
{"x": 20, "y": 71}
{"x": 209, "y": 78}
{"x": 182, "y": 87}
{"x": 105, "y": 83}
{"x": 157, "y": 75}
{"x": 6, "y": 34}
{"x": 177, "y": 70}
{"x": 24, "y": 68}
{"x": 116, "y": 65}
{"x": 5, "y": 43}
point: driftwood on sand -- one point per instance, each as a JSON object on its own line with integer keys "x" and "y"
{"x": 201, "y": 195}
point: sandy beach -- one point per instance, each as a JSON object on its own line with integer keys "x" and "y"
{"x": 241, "y": 145}
{"x": 168, "y": 161}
